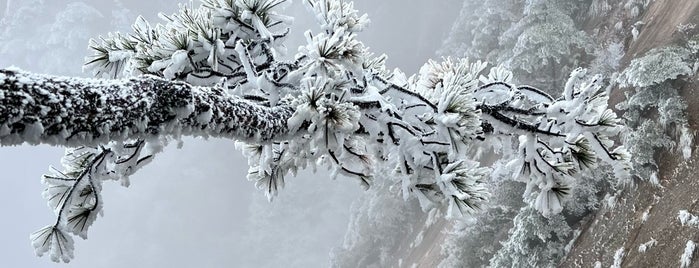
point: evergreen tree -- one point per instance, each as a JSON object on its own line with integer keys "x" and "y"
{"x": 476, "y": 32}
{"x": 218, "y": 70}
{"x": 545, "y": 44}
{"x": 539, "y": 40}
{"x": 654, "y": 110}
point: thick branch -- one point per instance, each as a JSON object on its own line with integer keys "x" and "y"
{"x": 516, "y": 123}
{"x": 43, "y": 109}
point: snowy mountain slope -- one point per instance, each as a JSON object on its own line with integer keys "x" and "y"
{"x": 648, "y": 212}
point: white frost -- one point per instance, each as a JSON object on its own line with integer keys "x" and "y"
{"x": 686, "y": 258}
{"x": 685, "y": 144}
{"x": 618, "y": 258}
{"x": 688, "y": 219}
{"x": 645, "y": 216}
{"x": 647, "y": 245}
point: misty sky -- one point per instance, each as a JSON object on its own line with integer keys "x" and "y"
{"x": 191, "y": 207}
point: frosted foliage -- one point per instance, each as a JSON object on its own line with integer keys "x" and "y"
{"x": 538, "y": 40}
{"x": 472, "y": 243}
{"x": 657, "y": 118}
{"x": 636, "y": 6}
{"x": 585, "y": 199}
{"x": 607, "y": 58}
{"x": 217, "y": 70}
{"x": 659, "y": 65}
{"x": 534, "y": 241}
{"x": 693, "y": 43}
{"x": 646, "y": 139}
{"x": 333, "y": 15}
{"x": 74, "y": 193}
{"x": 545, "y": 44}
{"x": 377, "y": 226}
{"x": 663, "y": 98}
{"x": 599, "y": 8}
{"x": 538, "y": 44}
{"x": 53, "y": 241}
{"x": 460, "y": 249}
{"x": 475, "y": 32}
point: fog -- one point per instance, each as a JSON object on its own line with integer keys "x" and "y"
{"x": 191, "y": 207}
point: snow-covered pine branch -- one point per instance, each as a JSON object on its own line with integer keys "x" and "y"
{"x": 64, "y": 111}
{"x": 222, "y": 74}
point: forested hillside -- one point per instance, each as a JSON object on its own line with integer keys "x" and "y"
{"x": 647, "y": 51}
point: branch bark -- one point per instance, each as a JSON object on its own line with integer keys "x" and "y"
{"x": 64, "y": 111}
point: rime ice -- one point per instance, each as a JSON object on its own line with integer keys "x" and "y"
{"x": 215, "y": 71}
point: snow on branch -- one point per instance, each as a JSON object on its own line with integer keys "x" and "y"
{"x": 217, "y": 71}
{"x": 658, "y": 65}
{"x": 79, "y": 112}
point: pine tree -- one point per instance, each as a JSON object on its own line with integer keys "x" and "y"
{"x": 477, "y": 30}
{"x": 218, "y": 70}
{"x": 545, "y": 43}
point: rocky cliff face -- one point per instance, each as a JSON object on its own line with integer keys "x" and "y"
{"x": 645, "y": 213}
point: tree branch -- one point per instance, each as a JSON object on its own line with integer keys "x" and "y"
{"x": 513, "y": 122}
{"x": 44, "y": 109}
